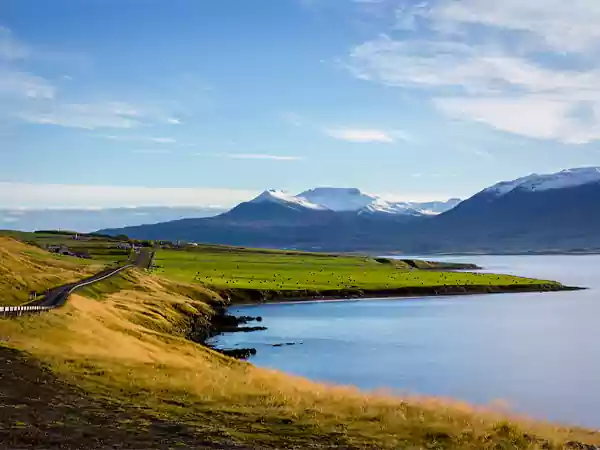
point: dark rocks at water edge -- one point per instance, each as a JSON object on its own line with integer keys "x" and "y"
{"x": 200, "y": 331}
{"x": 227, "y": 323}
{"x": 238, "y": 353}
{"x": 286, "y": 344}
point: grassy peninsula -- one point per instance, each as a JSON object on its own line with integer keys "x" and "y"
{"x": 116, "y": 366}
{"x": 255, "y": 275}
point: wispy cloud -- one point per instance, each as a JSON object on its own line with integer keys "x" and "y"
{"x": 156, "y": 140}
{"x": 480, "y": 60}
{"x": 151, "y": 151}
{"x": 13, "y": 195}
{"x": 548, "y": 24}
{"x": 262, "y": 156}
{"x": 89, "y": 116}
{"x": 10, "y": 48}
{"x": 293, "y": 119}
{"x": 478, "y": 152}
{"x": 360, "y": 135}
{"x": 29, "y": 97}
{"x": 15, "y": 84}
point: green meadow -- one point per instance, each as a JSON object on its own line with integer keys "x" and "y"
{"x": 224, "y": 268}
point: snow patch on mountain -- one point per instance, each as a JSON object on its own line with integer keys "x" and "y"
{"x": 544, "y": 182}
{"x": 338, "y": 199}
{"x": 352, "y": 200}
{"x": 284, "y": 198}
{"x": 385, "y": 207}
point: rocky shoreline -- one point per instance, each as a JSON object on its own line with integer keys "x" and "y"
{"x": 223, "y": 322}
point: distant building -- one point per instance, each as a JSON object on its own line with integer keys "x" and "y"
{"x": 59, "y": 249}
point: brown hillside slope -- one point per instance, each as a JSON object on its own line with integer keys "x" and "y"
{"x": 24, "y": 268}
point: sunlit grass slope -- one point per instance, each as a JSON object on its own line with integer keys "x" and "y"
{"x": 128, "y": 346}
{"x": 24, "y": 268}
{"x": 248, "y": 269}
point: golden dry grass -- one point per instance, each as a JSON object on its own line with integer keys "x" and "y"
{"x": 130, "y": 347}
{"x": 24, "y": 268}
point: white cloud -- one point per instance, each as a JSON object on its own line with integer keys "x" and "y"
{"x": 150, "y": 139}
{"x": 31, "y": 98}
{"x": 480, "y": 153}
{"x": 479, "y": 60}
{"x": 293, "y": 119}
{"x": 10, "y": 48}
{"x": 569, "y": 26}
{"x": 22, "y": 85}
{"x": 160, "y": 140}
{"x": 88, "y": 116}
{"x": 263, "y": 156}
{"x": 15, "y": 195}
{"x": 533, "y": 116}
{"x": 360, "y": 135}
{"x": 151, "y": 151}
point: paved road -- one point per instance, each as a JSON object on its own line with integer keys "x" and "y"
{"x": 58, "y": 296}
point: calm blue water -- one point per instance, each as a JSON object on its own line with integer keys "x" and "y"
{"x": 540, "y": 353}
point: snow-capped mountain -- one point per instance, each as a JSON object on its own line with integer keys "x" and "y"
{"x": 351, "y": 200}
{"x": 538, "y": 183}
{"x": 555, "y": 212}
{"x": 380, "y": 206}
{"x": 283, "y": 198}
{"x": 338, "y": 199}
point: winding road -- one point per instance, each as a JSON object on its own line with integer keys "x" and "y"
{"x": 57, "y": 297}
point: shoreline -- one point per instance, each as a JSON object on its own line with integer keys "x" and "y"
{"x": 400, "y": 293}
{"x": 224, "y": 322}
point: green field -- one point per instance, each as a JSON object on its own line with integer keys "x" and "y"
{"x": 278, "y": 271}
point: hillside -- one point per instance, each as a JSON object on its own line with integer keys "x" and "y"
{"x": 24, "y": 268}
{"x": 539, "y": 213}
{"x": 120, "y": 368}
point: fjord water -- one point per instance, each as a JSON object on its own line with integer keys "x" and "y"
{"x": 537, "y": 353}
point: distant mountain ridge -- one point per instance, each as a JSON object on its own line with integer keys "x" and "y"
{"x": 547, "y": 212}
{"x": 351, "y": 200}
{"x": 536, "y": 213}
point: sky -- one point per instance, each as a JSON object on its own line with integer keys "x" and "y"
{"x": 209, "y": 102}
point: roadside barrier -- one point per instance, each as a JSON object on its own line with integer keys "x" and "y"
{"x": 12, "y": 311}
{"x": 61, "y": 298}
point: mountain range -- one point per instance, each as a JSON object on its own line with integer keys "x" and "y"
{"x": 551, "y": 212}
{"x": 335, "y": 200}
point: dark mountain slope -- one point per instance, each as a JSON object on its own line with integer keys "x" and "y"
{"x": 557, "y": 212}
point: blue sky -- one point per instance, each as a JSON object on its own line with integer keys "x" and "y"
{"x": 126, "y": 102}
